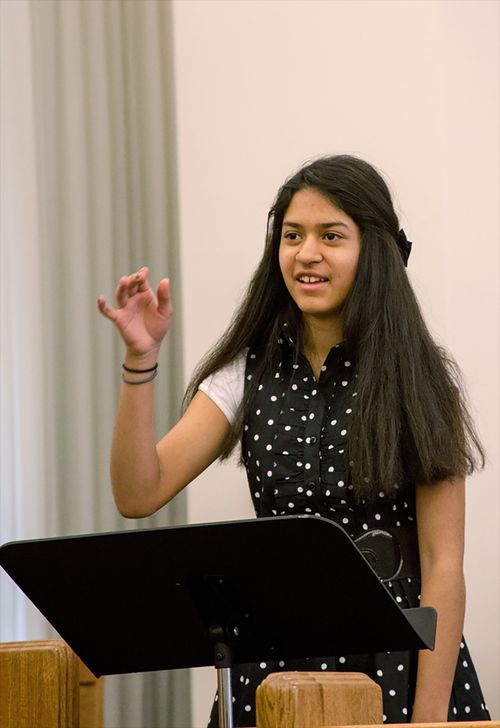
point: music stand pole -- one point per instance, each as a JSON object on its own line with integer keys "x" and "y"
{"x": 223, "y": 664}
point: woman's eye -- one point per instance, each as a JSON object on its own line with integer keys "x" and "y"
{"x": 293, "y": 237}
{"x": 331, "y": 237}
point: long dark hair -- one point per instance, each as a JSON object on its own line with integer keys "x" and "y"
{"x": 411, "y": 423}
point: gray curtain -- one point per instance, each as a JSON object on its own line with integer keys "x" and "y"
{"x": 106, "y": 177}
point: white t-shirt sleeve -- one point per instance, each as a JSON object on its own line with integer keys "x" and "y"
{"x": 226, "y": 386}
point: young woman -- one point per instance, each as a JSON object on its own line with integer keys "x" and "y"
{"x": 344, "y": 407}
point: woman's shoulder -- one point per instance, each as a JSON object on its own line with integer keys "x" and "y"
{"x": 226, "y": 386}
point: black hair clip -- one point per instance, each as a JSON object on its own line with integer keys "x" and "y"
{"x": 404, "y": 246}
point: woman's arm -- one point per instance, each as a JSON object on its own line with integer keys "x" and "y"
{"x": 144, "y": 475}
{"x": 440, "y": 523}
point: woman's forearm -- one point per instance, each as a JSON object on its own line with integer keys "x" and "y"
{"x": 135, "y": 467}
{"x": 440, "y": 524}
{"x": 444, "y": 589}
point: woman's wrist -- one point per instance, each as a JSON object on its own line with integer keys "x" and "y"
{"x": 429, "y": 716}
{"x": 139, "y": 369}
{"x": 140, "y": 362}
{"x": 139, "y": 376}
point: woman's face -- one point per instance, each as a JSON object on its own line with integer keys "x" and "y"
{"x": 318, "y": 255}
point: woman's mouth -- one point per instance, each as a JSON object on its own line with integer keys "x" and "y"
{"x": 311, "y": 280}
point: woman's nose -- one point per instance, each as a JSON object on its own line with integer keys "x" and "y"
{"x": 309, "y": 251}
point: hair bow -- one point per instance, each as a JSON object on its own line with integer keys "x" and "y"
{"x": 404, "y": 246}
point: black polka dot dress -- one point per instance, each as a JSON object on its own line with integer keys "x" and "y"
{"x": 294, "y": 448}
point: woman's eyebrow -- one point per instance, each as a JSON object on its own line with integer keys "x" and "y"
{"x": 322, "y": 225}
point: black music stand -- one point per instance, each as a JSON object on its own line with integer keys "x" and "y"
{"x": 214, "y": 594}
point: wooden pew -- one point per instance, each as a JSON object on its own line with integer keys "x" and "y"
{"x": 43, "y": 683}
{"x": 310, "y": 699}
{"x": 328, "y": 700}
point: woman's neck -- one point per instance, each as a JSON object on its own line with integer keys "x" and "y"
{"x": 319, "y": 337}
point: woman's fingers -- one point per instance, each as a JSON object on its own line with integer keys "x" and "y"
{"x": 141, "y": 317}
{"x": 105, "y": 309}
{"x": 122, "y": 291}
{"x": 128, "y": 286}
{"x": 163, "y": 296}
{"x": 140, "y": 279}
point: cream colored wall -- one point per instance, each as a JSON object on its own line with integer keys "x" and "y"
{"x": 414, "y": 88}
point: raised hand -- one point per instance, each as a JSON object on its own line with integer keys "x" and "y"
{"x": 141, "y": 317}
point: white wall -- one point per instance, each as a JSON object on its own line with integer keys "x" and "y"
{"x": 412, "y": 87}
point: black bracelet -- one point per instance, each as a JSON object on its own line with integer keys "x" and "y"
{"x": 140, "y": 371}
{"x": 140, "y": 381}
